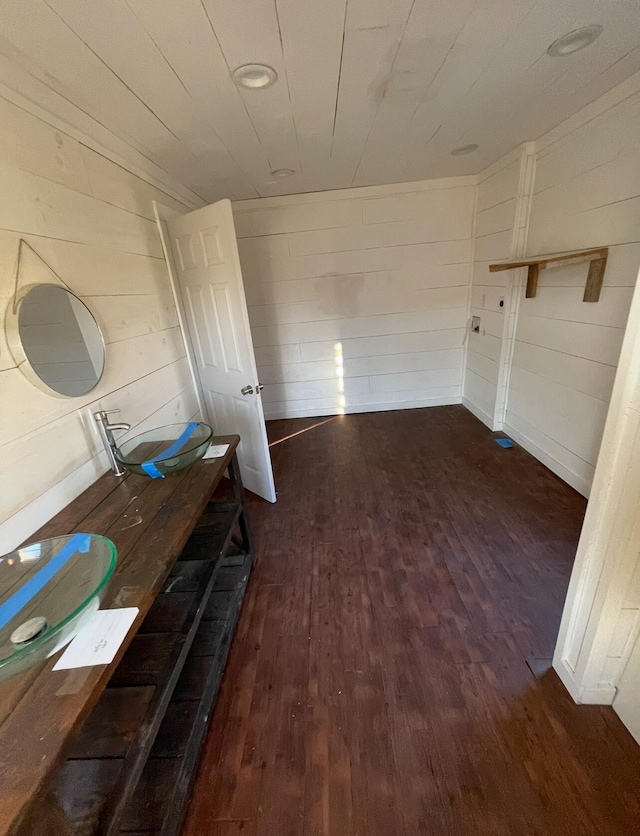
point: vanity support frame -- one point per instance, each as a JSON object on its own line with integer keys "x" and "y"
{"x": 89, "y": 755}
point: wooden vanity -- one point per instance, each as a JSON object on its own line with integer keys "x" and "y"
{"x": 114, "y": 748}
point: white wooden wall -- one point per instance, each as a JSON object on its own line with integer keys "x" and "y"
{"x": 358, "y": 298}
{"x": 92, "y": 221}
{"x": 586, "y": 194}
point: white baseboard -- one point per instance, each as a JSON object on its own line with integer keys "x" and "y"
{"x": 577, "y": 482}
{"x": 276, "y": 411}
{"x": 603, "y": 695}
{"x": 480, "y": 414}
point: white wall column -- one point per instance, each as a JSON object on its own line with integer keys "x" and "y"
{"x": 515, "y": 280}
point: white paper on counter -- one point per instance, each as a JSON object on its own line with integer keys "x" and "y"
{"x": 216, "y": 451}
{"x": 98, "y": 641}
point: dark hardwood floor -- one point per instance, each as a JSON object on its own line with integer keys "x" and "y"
{"x": 390, "y": 674}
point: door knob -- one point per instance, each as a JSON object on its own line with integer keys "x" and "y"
{"x": 259, "y": 387}
{"x": 247, "y": 390}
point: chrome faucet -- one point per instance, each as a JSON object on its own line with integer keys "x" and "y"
{"x": 106, "y": 434}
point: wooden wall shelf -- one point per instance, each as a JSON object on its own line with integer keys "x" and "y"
{"x": 597, "y": 264}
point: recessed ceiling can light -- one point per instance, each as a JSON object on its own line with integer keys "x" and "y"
{"x": 280, "y": 173}
{"x": 254, "y": 76}
{"x": 464, "y": 149}
{"x": 573, "y": 41}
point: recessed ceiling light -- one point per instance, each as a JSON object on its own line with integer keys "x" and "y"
{"x": 254, "y": 76}
{"x": 464, "y": 149}
{"x": 280, "y": 173}
{"x": 573, "y": 41}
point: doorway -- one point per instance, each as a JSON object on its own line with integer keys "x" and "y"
{"x": 204, "y": 269}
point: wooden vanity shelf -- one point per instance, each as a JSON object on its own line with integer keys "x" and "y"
{"x": 184, "y": 557}
{"x": 597, "y": 265}
{"x": 133, "y": 765}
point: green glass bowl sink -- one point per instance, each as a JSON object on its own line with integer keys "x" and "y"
{"x": 48, "y": 590}
{"x": 165, "y": 450}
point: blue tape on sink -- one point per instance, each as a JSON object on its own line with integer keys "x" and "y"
{"x": 150, "y": 468}
{"x": 19, "y": 600}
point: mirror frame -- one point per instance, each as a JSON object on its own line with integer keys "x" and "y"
{"x": 12, "y": 332}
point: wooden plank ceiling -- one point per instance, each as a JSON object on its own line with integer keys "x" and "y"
{"x": 368, "y": 91}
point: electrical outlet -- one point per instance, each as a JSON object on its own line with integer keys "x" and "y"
{"x": 475, "y": 324}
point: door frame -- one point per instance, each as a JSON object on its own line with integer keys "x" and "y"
{"x": 601, "y": 616}
{"x": 163, "y": 214}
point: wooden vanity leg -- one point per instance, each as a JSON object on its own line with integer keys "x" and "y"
{"x": 243, "y": 521}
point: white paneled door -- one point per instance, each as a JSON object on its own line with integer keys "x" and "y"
{"x": 209, "y": 278}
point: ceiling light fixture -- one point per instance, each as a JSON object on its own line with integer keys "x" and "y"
{"x": 254, "y": 76}
{"x": 573, "y": 41}
{"x": 464, "y": 149}
{"x": 280, "y": 173}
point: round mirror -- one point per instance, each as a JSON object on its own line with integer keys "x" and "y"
{"x": 60, "y": 340}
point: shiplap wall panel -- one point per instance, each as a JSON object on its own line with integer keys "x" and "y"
{"x": 499, "y": 218}
{"x": 336, "y": 299}
{"x": 592, "y": 378}
{"x": 62, "y": 159}
{"x": 384, "y": 345}
{"x": 373, "y": 401}
{"x": 586, "y": 194}
{"x": 100, "y": 269}
{"x": 578, "y": 339}
{"x": 532, "y": 394}
{"x": 182, "y": 407}
{"x": 42, "y": 458}
{"x": 358, "y": 299}
{"x": 375, "y": 235}
{"x": 91, "y": 220}
{"x": 349, "y": 327}
{"x": 127, "y": 360}
{"x": 282, "y": 219}
{"x": 53, "y": 53}
{"x": 479, "y": 394}
{"x": 35, "y": 96}
{"x": 565, "y": 303}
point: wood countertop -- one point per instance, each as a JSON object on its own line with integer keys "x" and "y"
{"x": 150, "y": 521}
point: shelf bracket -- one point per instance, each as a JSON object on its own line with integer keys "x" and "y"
{"x": 595, "y": 277}
{"x": 597, "y": 265}
{"x": 532, "y": 280}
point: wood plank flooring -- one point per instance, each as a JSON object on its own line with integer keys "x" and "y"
{"x": 390, "y": 673}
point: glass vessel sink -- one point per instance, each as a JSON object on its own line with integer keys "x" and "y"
{"x": 165, "y": 450}
{"x": 47, "y": 592}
